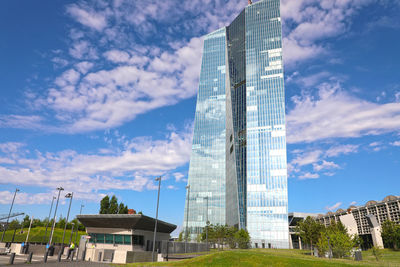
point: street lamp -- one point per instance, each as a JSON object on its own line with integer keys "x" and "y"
{"x": 47, "y": 225}
{"x": 72, "y": 232}
{"x": 206, "y": 221}
{"x": 55, "y": 213}
{"x": 187, "y": 216}
{"x": 70, "y": 196}
{"x": 9, "y": 214}
{"x": 155, "y": 226}
{"x": 77, "y": 224}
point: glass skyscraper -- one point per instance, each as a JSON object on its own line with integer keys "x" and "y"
{"x": 238, "y": 167}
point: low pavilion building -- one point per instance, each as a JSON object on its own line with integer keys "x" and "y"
{"x": 121, "y": 238}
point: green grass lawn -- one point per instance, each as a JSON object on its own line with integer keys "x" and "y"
{"x": 37, "y": 234}
{"x": 279, "y": 258}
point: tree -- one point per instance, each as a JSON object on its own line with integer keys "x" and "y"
{"x": 180, "y": 238}
{"x": 122, "y": 209}
{"x": 230, "y": 236}
{"x": 105, "y": 205}
{"x": 110, "y": 206}
{"x": 310, "y": 231}
{"x": 242, "y": 237}
{"x": 61, "y": 222}
{"x": 341, "y": 243}
{"x": 322, "y": 245}
{"x": 391, "y": 234}
{"x": 336, "y": 238}
{"x": 26, "y": 222}
{"x": 220, "y": 233}
{"x": 113, "y": 205}
{"x": 14, "y": 224}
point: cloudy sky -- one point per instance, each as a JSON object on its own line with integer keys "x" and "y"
{"x": 99, "y": 97}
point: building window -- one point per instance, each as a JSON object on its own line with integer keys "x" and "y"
{"x": 99, "y": 238}
{"x": 109, "y": 239}
{"x": 118, "y": 239}
{"x": 127, "y": 240}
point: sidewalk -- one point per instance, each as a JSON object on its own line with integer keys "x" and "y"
{"x": 38, "y": 260}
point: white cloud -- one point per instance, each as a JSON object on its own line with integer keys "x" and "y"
{"x": 10, "y": 147}
{"x": 24, "y": 198}
{"x": 307, "y": 23}
{"x": 84, "y": 66}
{"x": 69, "y": 77}
{"x": 319, "y": 118}
{"x": 395, "y": 143}
{"x": 307, "y": 158}
{"x": 334, "y": 207}
{"x": 172, "y": 187}
{"x": 317, "y": 158}
{"x": 309, "y": 175}
{"x": 353, "y": 203}
{"x": 117, "y": 56}
{"x": 335, "y": 151}
{"x": 397, "y": 96}
{"x": 132, "y": 168}
{"x": 311, "y": 80}
{"x": 88, "y": 17}
{"x": 21, "y": 122}
{"x": 178, "y": 176}
{"x": 82, "y": 49}
{"x": 108, "y": 98}
{"x": 325, "y": 165}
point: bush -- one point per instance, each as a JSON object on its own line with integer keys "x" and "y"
{"x": 242, "y": 237}
{"x": 377, "y": 252}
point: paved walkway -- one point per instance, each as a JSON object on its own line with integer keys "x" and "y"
{"x": 37, "y": 261}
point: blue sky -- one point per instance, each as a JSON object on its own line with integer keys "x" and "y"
{"x": 99, "y": 97}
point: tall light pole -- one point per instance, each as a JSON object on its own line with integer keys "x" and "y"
{"x": 9, "y": 213}
{"x": 206, "y": 221}
{"x": 47, "y": 225}
{"x": 187, "y": 216}
{"x": 72, "y": 232}
{"x": 187, "y": 213}
{"x": 70, "y": 196}
{"x": 55, "y": 213}
{"x": 155, "y": 225}
{"x": 77, "y": 224}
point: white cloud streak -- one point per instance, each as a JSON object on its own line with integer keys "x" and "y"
{"x": 319, "y": 118}
{"x": 334, "y": 207}
{"x": 131, "y": 168}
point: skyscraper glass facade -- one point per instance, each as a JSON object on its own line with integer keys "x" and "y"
{"x": 249, "y": 139}
{"x": 207, "y": 162}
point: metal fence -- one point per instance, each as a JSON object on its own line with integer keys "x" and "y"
{"x": 171, "y": 247}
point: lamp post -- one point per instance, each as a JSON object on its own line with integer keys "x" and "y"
{"x": 55, "y": 213}
{"x": 70, "y": 196}
{"x": 47, "y": 225}
{"x": 9, "y": 213}
{"x": 206, "y": 221}
{"x": 72, "y": 232}
{"x": 155, "y": 225}
{"x": 187, "y": 216}
{"x": 77, "y": 224}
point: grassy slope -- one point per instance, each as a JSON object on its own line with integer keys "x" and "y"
{"x": 37, "y": 233}
{"x": 279, "y": 258}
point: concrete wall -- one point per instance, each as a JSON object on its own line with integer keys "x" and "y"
{"x": 119, "y": 257}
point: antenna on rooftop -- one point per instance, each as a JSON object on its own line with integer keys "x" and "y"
{"x": 250, "y": 2}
